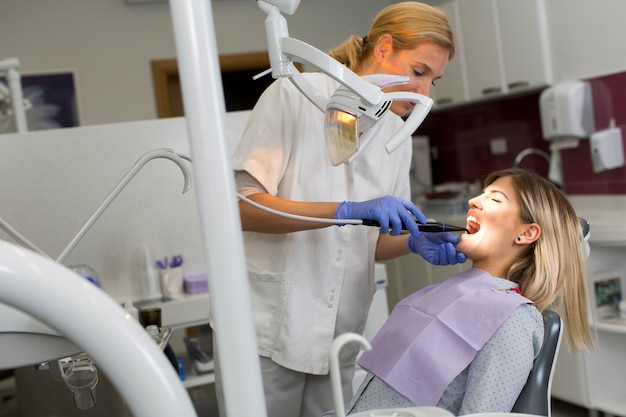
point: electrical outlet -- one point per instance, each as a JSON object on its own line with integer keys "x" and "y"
{"x": 498, "y": 146}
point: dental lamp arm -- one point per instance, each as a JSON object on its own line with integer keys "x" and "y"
{"x": 303, "y": 52}
{"x": 156, "y": 153}
{"x": 318, "y": 99}
{"x": 283, "y": 50}
{"x": 285, "y": 6}
{"x": 415, "y": 119}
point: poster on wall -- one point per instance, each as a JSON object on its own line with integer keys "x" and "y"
{"x": 49, "y": 99}
{"x": 607, "y": 293}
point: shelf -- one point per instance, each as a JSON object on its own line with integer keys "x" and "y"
{"x": 604, "y": 214}
{"x": 186, "y": 310}
{"x": 197, "y": 380}
{"x": 612, "y": 325}
{"x": 191, "y": 378}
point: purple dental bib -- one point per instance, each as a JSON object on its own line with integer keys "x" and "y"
{"x": 433, "y": 334}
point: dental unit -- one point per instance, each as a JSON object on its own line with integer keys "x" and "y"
{"x": 78, "y": 371}
{"x": 77, "y": 316}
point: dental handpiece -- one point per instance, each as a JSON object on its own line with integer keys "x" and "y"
{"x": 430, "y": 227}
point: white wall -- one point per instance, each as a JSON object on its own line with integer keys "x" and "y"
{"x": 54, "y": 180}
{"x": 109, "y": 43}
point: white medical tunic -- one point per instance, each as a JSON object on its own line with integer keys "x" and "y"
{"x": 308, "y": 287}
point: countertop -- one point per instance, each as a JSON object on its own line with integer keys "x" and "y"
{"x": 606, "y": 216}
{"x": 183, "y": 311}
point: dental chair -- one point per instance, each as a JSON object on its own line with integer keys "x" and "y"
{"x": 534, "y": 400}
{"x": 535, "y": 396}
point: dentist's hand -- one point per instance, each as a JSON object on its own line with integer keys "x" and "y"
{"x": 437, "y": 248}
{"x": 388, "y": 210}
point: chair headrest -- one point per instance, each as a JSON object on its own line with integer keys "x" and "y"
{"x": 586, "y": 233}
{"x": 586, "y": 228}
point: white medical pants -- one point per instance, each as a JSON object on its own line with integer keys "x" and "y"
{"x": 293, "y": 394}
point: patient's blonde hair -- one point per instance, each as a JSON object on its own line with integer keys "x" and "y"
{"x": 409, "y": 24}
{"x": 553, "y": 272}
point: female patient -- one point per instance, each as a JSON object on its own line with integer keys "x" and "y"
{"x": 468, "y": 344}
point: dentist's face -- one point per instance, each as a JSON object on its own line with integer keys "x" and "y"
{"x": 423, "y": 64}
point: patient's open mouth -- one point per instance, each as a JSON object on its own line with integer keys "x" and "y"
{"x": 472, "y": 225}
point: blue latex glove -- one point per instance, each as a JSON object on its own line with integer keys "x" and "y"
{"x": 437, "y": 248}
{"x": 388, "y": 210}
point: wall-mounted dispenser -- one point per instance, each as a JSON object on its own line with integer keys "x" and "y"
{"x": 566, "y": 111}
{"x": 607, "y": 149}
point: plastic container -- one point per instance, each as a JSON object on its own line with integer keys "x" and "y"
{"x": 196, "y": 284}
{"x": 81, "y": 379}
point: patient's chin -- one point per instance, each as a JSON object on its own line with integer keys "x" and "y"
{"x": 465, "y": 245}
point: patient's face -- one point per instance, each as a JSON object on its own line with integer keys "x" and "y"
{"x": 494, "y": 225}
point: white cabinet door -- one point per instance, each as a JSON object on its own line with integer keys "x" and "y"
{"x": 523, "y": 28}
{"x": 482, "y": 44}
{"x": 502, "y": 48}
{"x": 452, "y": 88}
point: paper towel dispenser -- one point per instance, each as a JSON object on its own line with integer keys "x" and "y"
{"x": 567, "y": 111}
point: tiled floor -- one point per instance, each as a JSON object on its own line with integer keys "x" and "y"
{"x": 205, "y": 406}
{"x": 563, "y": 409}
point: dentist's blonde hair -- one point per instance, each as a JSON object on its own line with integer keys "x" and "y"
{"x": 409, "y": 24}
{"x": 553, "y": 272}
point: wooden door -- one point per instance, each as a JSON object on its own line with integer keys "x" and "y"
{"x": 240, "y": 90}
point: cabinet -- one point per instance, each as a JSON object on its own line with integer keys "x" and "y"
{"x": 452, "y": 88}
{"x": 595, "y": 380}
{"x": 525, "y": 46}
{"x": 502, "y": 48}
{"x": 483, "y": 46}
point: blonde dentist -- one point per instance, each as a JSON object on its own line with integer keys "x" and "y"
{"x": 310, "y": 281}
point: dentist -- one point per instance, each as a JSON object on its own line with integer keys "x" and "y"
{"x": 313, "y": 281}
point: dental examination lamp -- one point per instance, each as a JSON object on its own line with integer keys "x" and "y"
{"x": 353, "y": 111}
